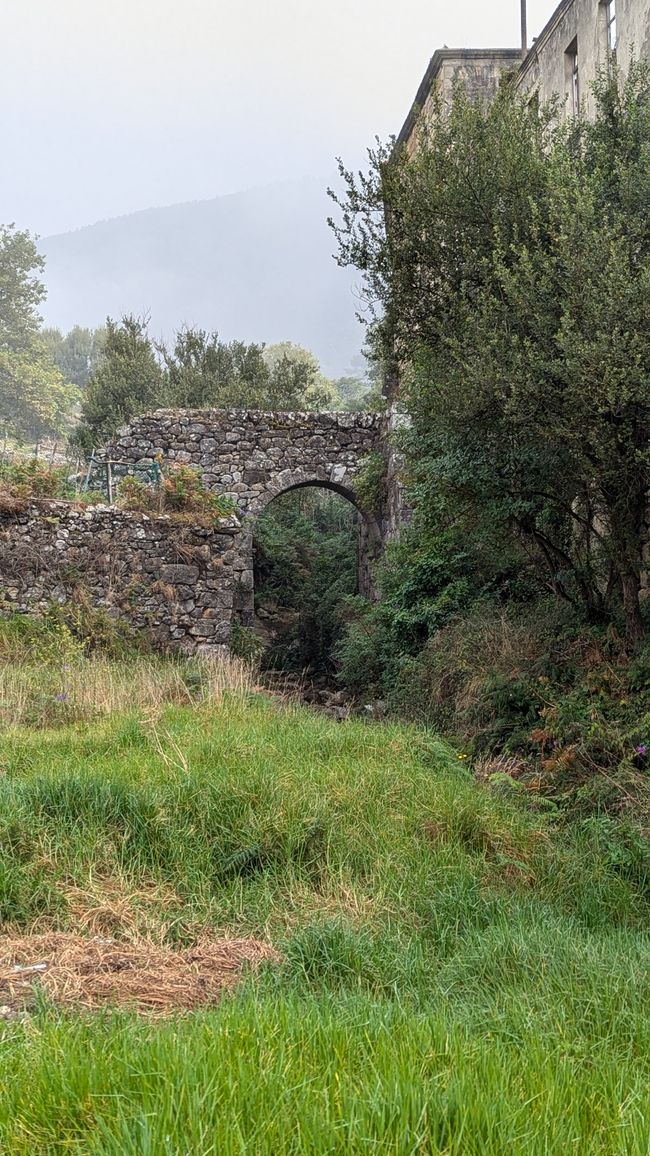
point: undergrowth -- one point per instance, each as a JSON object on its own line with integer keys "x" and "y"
{"x": 181, "y": 495}
{"x": 529, "y": 693}
{"x": 76, "y": 664}
{"x": 27, "y": 478}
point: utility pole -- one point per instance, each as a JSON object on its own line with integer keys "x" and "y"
{"x": 524, "y": 28}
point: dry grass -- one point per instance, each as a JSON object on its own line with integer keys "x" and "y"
{"x": 93, "y": 973}
{"x": 83, "y": 689}
{"x": 109, "y": 906}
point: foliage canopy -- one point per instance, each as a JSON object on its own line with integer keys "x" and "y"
{"x": 509, "y": 263}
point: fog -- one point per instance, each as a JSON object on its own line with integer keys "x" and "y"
{"x": 106, "y": 108}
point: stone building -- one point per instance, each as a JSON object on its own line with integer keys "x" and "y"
{"x": 564, "y": 59}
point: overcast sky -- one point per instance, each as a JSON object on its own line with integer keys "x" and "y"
{"x": 108, "y": 106}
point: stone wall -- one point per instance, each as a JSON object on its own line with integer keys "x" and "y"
{"x": 186, "y": 586}
{"x": 253, "y": 457}
{"x": 179, "y": 584}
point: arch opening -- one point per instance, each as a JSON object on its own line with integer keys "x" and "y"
{"x": 307, "y": 561}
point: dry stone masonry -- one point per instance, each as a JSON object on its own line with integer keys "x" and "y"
{"x": 187, "y": 586}
{"x": 175, "y": 583}
{"x": 256, "y": 456}
{"x": 253, "y": 457}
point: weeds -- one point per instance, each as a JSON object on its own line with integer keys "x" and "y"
{"x": 181, "y": 495}
{"x": 73, "y": 666}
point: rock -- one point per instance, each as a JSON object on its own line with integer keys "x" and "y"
{"x": 177, "y": 574}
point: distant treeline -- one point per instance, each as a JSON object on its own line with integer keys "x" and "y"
{"x": 86, "y": 383}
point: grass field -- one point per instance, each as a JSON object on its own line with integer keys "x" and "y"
{"x": 459, "y": 972}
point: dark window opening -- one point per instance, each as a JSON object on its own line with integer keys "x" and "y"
{"x": 612, "y": 34}
{"x": 572, "y": 74}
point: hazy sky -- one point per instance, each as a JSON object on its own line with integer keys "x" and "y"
{"x": 107, "y": 106}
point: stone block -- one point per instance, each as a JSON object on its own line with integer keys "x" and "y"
{"x": 178, "y": 574}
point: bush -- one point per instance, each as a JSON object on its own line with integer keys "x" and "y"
{"x": 182, "y": 495}
{"x": 27, "y": 478}
{"x": 534, "y": 691}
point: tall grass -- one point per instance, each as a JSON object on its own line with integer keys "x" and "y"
{"x": 460, "y": 973}
{"x": 82, "y": 689}
{"x": 324, "y": 1076}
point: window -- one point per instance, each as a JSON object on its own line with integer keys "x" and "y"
{"x": 572, "y": 75}
{"x": 610, "y": 9}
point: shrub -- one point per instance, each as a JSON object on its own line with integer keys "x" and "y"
{"x": 245, "y": 643}
{"x": 182, "y": 495}
{"x": 27, "y": 478}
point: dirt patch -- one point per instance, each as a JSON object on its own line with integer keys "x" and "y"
{"x": 94, "y": 973}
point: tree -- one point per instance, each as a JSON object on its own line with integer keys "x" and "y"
{"x": 34, "y": 396}
{"x": 204, "y": 371}
{"x": 295, "y": 379}
{"x": 513, "y": 284}
{"x": 128, "y": 380}
{"x": 357, "y": 394}
{"x": 77, "y": 353}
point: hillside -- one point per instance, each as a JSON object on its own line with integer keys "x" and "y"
{"x": 255, "y": 265}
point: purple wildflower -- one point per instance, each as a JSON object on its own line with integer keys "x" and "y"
{"x": 61, "y": 697}
{"x": 642, "y": 749}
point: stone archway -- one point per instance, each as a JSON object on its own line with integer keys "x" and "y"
{"x": 369, "y": 541}
{"x": 252, "y": 457}
{"x": 310, "y": 548}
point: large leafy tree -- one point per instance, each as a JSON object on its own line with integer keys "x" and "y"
{"x": 513, "y": 284}
{"x": 76, "y": 353}
{"x": 35, "y": 398}
{"x": 202, "y": 370}
{"x": 128, "y": 380}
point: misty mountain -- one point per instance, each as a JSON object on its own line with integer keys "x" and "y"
{"x": 255, "y": 265}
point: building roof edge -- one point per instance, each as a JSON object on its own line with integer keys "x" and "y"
{"x": 435, "y": 64}
{"x": 540, "y": 40}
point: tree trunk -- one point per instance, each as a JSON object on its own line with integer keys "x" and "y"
{"x": 634, "y": 625}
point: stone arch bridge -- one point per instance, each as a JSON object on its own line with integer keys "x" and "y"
{"x": 254, "y": 457}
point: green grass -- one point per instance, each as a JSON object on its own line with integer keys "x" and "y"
{"x": 460, "y": 974}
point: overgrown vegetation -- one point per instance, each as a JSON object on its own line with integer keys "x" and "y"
{"x": 305, "y": 567}
{"x": 75, "y": 664}
{"x": 513, "y": 291}
{"x": 180, "y": 494}
{"x": 458, "y": 971}
{"x": 25, "y": 478}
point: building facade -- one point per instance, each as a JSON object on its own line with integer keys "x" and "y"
{"x": 578, "y": 40}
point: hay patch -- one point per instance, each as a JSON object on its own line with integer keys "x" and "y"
{"x": 73, "y": 970}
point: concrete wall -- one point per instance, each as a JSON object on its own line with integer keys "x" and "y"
{"x": 546, "y": 69}
{"x": 478, "y": 70}
{"x": 178, "y": 584}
